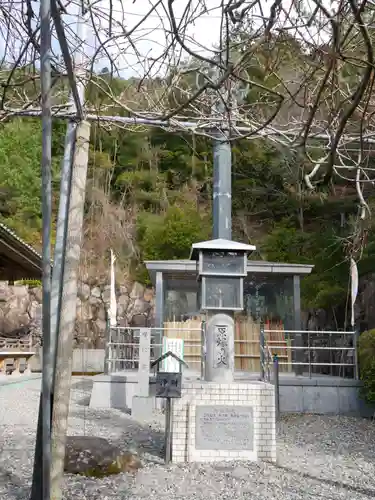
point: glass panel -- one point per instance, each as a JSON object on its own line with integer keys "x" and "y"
{"x": 180, "y": 305}
{"x": 270, "y": 298}
{"x": 182, "y": 319}
{"x": 223, "y": 293}
{"x": 223, "y": 263}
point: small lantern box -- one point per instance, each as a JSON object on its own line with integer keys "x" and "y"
{"x": 222, "y": 266}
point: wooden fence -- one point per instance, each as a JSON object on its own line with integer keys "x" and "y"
{"x": 247, "y": 342}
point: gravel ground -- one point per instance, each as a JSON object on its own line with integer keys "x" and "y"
{"x": 318, "y": 457}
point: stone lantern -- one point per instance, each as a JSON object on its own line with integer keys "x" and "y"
{"x": 222, "y": 267}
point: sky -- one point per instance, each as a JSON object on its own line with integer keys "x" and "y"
{"x": 150, "y": 36}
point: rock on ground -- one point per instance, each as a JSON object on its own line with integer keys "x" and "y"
{"x": 93, "y": 456}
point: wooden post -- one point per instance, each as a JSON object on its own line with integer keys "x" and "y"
{"x": 276, "y": 382}
{"x": 144, "y": 362}
{"x": 64, "y": 360}
{"x": 168, "y": 431}
{"x": 262, "y": 352}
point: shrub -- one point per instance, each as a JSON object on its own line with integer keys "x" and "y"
{"x": 170, "y": 235}
{"x": 366, "y": 357}
{"x": 32, "y": 283}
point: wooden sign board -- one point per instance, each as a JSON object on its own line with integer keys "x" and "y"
{"x": 168, "y": 384}
{"x": 177, "y": 347}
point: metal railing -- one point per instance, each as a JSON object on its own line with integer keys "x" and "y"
{"x": 269, "y": 369}
{"x": 311, "y": 353}
{"x": 265, "y": 361}
{"x": 318, "y": 352}
{"x": 122, "y": 347}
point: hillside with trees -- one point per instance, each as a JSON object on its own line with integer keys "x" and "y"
{"x": 149, "y": 197}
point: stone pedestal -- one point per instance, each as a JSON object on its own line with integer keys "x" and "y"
{"x": 119, "y": 390}
{"x": 142, "y": 407}
{"x": 224, "y": 422}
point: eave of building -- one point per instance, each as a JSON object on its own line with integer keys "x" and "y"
{"x": 17, "y": 258}
{"x": 187, "y": 269}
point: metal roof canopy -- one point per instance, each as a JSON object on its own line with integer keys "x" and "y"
{"x": 219, "y": 245}
{"x": 186, "y": 270}
{"x": 18, "y": 260}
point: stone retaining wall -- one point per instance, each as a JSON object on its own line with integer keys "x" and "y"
{"x": 21, "y": 307}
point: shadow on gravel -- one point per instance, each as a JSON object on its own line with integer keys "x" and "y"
{"x": 331, "y": 482}
{"x": 15, "y": 485}
{"x": 131, "y": 435}
{"x": 84, "y": 386}
{"x": 139, "y": 437}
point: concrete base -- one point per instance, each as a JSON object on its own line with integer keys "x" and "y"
{"x": 142, "y": 407}
{"x": 21, "y": 379}
{"x": 298, "y": 394}
{"x": 117, "y": 391}
{"x": 322, "y": 395}
{"x": 231, "y": 444}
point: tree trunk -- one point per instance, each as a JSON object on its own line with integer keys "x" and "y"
{"x": 63, "y": 372}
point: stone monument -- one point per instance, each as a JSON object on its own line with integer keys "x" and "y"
{"x": 142, "y": 403}
{"x": 218, "y": 418}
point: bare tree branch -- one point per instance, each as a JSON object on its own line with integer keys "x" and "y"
{"x": 297, "y": 73}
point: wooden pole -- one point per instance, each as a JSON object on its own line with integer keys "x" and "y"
{"x": 276, "y": 382}
{"x": 168, "y": 431}
{"x": 63, "y": 370}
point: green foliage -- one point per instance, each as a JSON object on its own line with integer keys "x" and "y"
{"x": 366, "y": 357}
{"x": 286, "y": 244}
{"x": 167, "y": 178}
{"x": 20, "y": 152}
{"x": 327, "y": 285}
{"x": 20, "y": 179}
{"x": 29, "y": 282}
{"x": 170, "y": 235}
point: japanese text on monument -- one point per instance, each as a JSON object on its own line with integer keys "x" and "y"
{"x": 221, "y": 346}
{"x": 224, "y": 428}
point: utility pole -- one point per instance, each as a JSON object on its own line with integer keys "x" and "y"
{"x": 42, "y": 461}
{"x": 222, "y": 188}
{"x": 222, "y": 153}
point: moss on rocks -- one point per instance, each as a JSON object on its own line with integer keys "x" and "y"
{"x": 96, "y": 457}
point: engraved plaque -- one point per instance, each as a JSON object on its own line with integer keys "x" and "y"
{"x": 221, "y": 346}
{"x": 224, "y": 428}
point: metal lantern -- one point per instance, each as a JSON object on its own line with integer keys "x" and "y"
{"x": 222, "y": 266}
